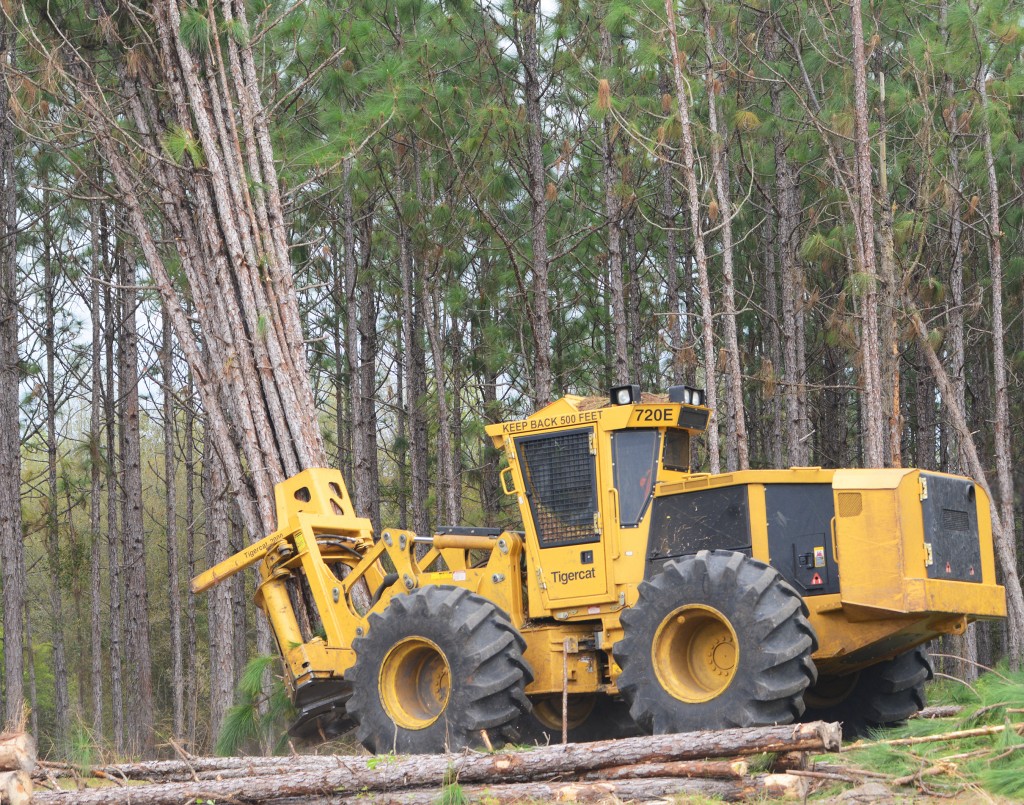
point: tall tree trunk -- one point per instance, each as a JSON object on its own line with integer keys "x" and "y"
{"x": 141, "y": 734}
{"x": 112, "y": 307}
{"x": 445, "y": 485}
{"x": 219, "y": 599}
{"x": 737, "y": 452}
{"x": 367, "y": 382}
{"x": 1004, "y": 471}
{"x": 357, "y": 419}
{"x": 864, "y": 220}
{"x": 1005, "y": 548}
{"x": 62, "y": 700}
{"x": 191, "y": 632}
{"x": 613, "y": 218}
{"x": 95, "y": 475}
{"x": 890, "y": 348}
{"x": 12, "y": 569}
{"x": 533, "y": 97}
{"x": 413, "y": 367}
{"x": 171, "y": 519}
{"x": 674, "y": 323}
{"x": 696, "y": 229}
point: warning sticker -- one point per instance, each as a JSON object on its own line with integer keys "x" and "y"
{"x": 816, "y": 579}
{"x": 819, "y": 556}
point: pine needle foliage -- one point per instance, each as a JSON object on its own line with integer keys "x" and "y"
{"x": 995, "y": 762}
{"x": 260, "y": 717}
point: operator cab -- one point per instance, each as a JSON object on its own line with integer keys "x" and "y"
{"x": 585, "y": 472}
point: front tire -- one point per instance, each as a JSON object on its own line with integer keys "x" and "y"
{"x": 715, "y": 640}
{"x": 436, "y": 667}
{"x": 879, "y": 696}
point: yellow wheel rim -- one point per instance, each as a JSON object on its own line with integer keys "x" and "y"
{"x": 415, "y": 682}
{"x": 548, "y": 711}
{"x": 695, "y": 653}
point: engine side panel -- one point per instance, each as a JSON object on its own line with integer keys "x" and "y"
{"x": 800, "y": 536}
{"x": 707, "y": 519}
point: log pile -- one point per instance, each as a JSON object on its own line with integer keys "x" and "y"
{"x": 17, "y": 761}
{"x": 627, "y": 769}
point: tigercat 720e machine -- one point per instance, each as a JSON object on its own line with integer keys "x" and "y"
{"x": 659, "y": 598}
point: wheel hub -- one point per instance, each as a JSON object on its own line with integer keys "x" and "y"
{"x": 695, "y": 653}
{"x": 414, "y": 683}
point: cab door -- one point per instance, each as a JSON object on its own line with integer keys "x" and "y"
{"x": 560, "y": 472}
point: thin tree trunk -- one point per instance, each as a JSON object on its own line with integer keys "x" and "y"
{"x": 12, "y": 569}
{"x": 1003, "y": 538}
{"x": 171, "y": 517}
{"x": 613, "y": 218}
{"x": 445, "y": 485}
{"x": 540, "y": 318}
{"x": 890, "y": 348}
{"x": 219, "y": 599}
{"x": 696, "y": 229}
{"x": 367, "y": 382}
{"x": 413, "y": 369}
{"x": 668, "y": 210}
{"x": 191, "y": 635}
{"x": 95, "y": 478}
{"x": 112, "y": 308}
{"x": 737, "y": 453}
{"x": 141, "y": 734}
{"x": 1004, "y": 471}
{"x": 62, "y": 700}
{"x": 864, "y": 220}
{"x": 357, "y": 419}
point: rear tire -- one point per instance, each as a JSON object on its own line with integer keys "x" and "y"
{"x": 715, "y": 640}
{"x": 436, "y": 667}
{"x": 879, "y": 696}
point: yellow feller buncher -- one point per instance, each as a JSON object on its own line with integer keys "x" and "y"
{"x": 655, "y": 597}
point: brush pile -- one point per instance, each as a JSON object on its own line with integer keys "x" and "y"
{"x": 644, "y": 768}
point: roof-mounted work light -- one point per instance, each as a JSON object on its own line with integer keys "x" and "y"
{"x": 625, "y": 395}
{"x": 686, "y": 395}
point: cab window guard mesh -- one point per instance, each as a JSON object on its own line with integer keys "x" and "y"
{"x": 561, "y": 485}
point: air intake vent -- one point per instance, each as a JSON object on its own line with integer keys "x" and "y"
{"x": 955, "y": 520}
{"x": 850, "y": 504}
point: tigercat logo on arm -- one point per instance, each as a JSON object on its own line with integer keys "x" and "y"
{"x": 563, "y": 577}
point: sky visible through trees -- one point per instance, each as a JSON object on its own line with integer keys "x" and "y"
{"x": 243, "y": 238}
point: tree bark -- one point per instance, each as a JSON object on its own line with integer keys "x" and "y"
{"x": 1004, "y": 458}
{"x": 613, "y": 218}
{"x": 96, "y": 477}
{"x": 171, "y": 524}
{"x": 528, "y": 12}
{"x": 111, "y": 307}
{"x": 737, "y": 451}
{"x": 12, "y": 569}
{"x": 219, "y": 599}
{"x": 864, "y": 220}
{"x": 61, "y": 698}
{"x": 141, "y": 736}
{"x": 696, "y": 230}
{"x": 309, "y": 775}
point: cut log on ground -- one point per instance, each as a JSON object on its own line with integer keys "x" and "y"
{"x": 15, "y": 787}
{"x": 751, "y": 788}
{"x": 939, "y": 711}
{"x": 708, "y": 769}
{"x": 336, "y": 776}
{"x": 17, "y": 751}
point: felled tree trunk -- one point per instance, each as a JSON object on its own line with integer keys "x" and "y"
{"x": 197, "y": 179}
{"x": 270, "y": 778}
